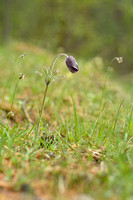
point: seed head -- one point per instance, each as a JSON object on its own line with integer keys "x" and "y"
{"x": 10, "y": 114}
{"x": 119, "y": 59}
{"x": 72, "y": 64}
{"x": 22, "y": 56}
{"x": 21, "y": 76}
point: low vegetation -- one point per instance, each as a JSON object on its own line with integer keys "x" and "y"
{"x": 83, "y": 146}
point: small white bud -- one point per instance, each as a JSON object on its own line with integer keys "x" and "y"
{"x": 21, "y": 76}
{"x": 119, "y": 59}
{"x": 22, "y": 56}
{"x": 10, "y": 114}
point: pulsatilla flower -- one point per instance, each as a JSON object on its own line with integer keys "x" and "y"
{"x": 72, "y": 64}
{"x": 51, "y": 75}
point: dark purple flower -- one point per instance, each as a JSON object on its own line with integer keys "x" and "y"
{"x": 72, "y": 64}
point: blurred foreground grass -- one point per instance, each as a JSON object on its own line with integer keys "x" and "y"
{"x": 87, "y": 116}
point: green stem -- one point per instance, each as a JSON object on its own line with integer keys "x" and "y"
{"x": 14, "y": 93}
{"x": 3, "y": 96}
{"x": 43, "y": 104}
{"x": 6, "y": 86}
{"x": 46, "y": 88}
{"x": 8, "y": 80}
{"x": 60, "y": 54}
{"x": 106, "y": 76}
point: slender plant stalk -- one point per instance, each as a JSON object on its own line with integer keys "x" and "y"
{"x": 46, "y": 88}
{"x": 3, "y": 96}
{"x": 43, "y": 104}
{"x": 117, "y": 115}
{"x": 14, "y": 93}
{"x": 105, "y": 81}
{"x": 4, "y": 93}
{"x": 60, "y": 54}
{"x": 8, "y": 80}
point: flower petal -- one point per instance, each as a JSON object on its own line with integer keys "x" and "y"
{"x": 72, "y": 64}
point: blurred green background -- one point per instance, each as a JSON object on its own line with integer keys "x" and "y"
{"x": 83, "y": 28}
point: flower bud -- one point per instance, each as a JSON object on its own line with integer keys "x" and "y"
{"x": 119, "y": 59}
{"x": 72, "y": 64}
{"x": 21, "y": 76}
{"x": 10, "y": 114}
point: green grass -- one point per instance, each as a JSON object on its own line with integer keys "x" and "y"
{"x": 90, "y": 119}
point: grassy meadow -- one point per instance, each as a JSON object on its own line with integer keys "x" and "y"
{"x": 87, "y": 149}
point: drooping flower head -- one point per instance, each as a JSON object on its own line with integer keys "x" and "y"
{"x": 72, "y": 64}
{"x": 119, "y": 59}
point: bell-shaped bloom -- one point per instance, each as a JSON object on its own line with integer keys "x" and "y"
{"x": 72, "y": 64}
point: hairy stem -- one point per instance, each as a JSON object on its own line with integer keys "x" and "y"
{"x": 105, "y": 81}
{"x": 46, "y": 88}
{"x": 43, "y": 104}
{"x": 60, "y": 54}
{"x": 4, "y": 93}
{"x": 14, "y": 93}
